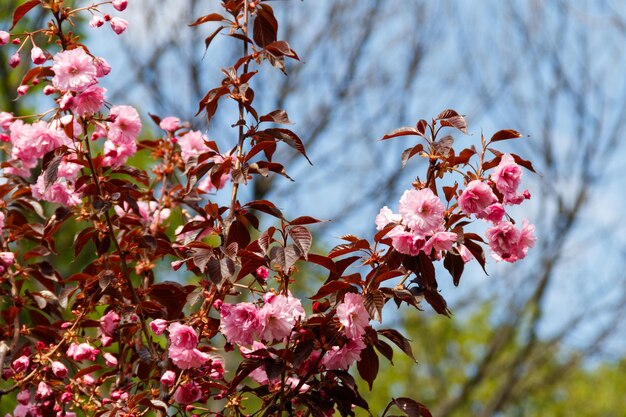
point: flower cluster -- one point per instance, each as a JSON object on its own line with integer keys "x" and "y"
{"x": 419, "y": 226}
{"x": 242, "y": 323}
{"x": 480, "y": 199}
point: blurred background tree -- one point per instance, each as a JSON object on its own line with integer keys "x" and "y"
{"x": 545, "y": 339}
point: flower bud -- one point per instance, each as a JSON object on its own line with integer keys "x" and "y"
{"x": 262, "y": 273}
{"x": 5, "y": 37}
{"x": 96, "y": 21}
{"x": 110, "y": 360}
{"x": 43, "y": 391}
{"x": 58, "y": 369}
{"x": 158, "y": 326}
{"x": 169, "y": 378}
{"x": 15, "y": 59}
{"x": 170, "y": 124}
{"x": 120, "y": 5}
{"x": 23, "y": 397}
{"x": 22, "y": 90}
{"x": 37, "y": 55}
{"x": 118, "y": 25}
{"x": 48, "y": 90}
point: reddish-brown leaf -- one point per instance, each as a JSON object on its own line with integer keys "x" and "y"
{"x": 277, "y": 116}
{"x": 410, "y": 153}
{"x": 505, "y": 134}
{"x": 368, "y": 365}
{"x": 213, "y": 17}
{"x": 411, "y": 407}
{"x": 302, "y": 239}
{"x": 21, "y": 10}
{"x": 265, "y": 26}
{"x": 402, "y": 131}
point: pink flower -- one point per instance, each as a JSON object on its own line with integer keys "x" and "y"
{"x": 109, "y": 322}
{"x": 74, "y": 70}
{"x": 31, "y": 142}
{"x": 168, "y": 378}
{"x": 421, "y": 210}
{"x": 61, "y": 192}
{"x": 5, "y": 37}
{"x": 58, "y": 369}
{"x": 6, "y": 258}
{"x": 386, "y": 216}
{"x": 37, "y": 56}
{"x": 187, "y": 358}
{"x": 120, "y": 5}
{"x": 217, "y": 369}
{"x": 25, "y": 410}
{"x": 66, "y": 101}
{"x": 102, "y": 67}
{"x": 187, "y": 393}
{"x": 43, "y": 391}
{"x": 82, "y": 352}
{"x": 507, "y": 177}
{"x": 87, "y": 380}
{"x": 118, "y": 25}
{"x": 96, "y": 21}
{"x": 158, "y": 326}
{"x": 15, "y": 60}
{"x": 182, "y": 350}
{"x": 406, "y": 242}
{"x": 182, "y": 336}
{"x": 170, "y": 124}
{"x": 89, "y": 101}
{"x": 126, "y": 126}
{"x": 116, "y": 154}
{"x": 5, "y": 120}
{"x": 508, "y": 243}
{"x": 476, "y": 197}
{"x": 240, "y": 323}
{"x": 110, "y": 359}
{"x": 192, "y": 144}
{"x": 122, "y": 134}
{"x": 342, "y": 358}
{"x": 48, "y": 90}
{"x": 22, "y": 90}
{"x": 23, "y": 397}
{"x": 278, "y": 316}
{"x": 353, "y": 315}
{"x": 21, "y": 364}
{"x": 493, "y": 213}
{"x": 262, "y": 273}
{"x": 440, "y": 241}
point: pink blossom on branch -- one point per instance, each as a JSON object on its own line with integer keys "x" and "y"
{"x": 406, "y": 242}
{"x": 386, "y": 216}
{"x": 240, "y": 323}
{"x": 508, "y": 243}
{"x": 476, "y": 197}
{"x": 81, "y": 352}
{"x": 278, "y": 316}
{"x": 170, "y": 124}
{"x": 187, "y": 393}
{"x": 421, "y": 210}
{"x": 353, "y": 316}
{"x": 182, "y": 351}
{"x": 109, "y": 322}
{"x": 74, "y": 70}
{"x": 507, "y": 176}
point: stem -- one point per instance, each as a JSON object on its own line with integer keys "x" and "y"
{"x": 233, "y": 197}
{"x": 122, "y": 254}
